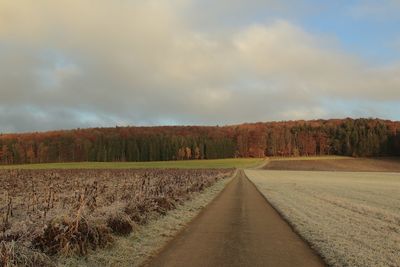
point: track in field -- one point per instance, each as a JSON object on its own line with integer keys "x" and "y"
{"x": 239, "y": 228}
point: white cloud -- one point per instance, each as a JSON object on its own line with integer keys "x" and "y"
{"x": 300, "y": 61}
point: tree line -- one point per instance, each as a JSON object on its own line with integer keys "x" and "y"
{"x": 359, "y": 137}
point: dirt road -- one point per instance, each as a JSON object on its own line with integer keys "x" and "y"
{"x": 239, "y": 228}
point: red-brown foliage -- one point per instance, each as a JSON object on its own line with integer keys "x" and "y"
{"x": 361, "y": 137}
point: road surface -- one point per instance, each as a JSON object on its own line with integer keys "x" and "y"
{"x": 239, "y": 228}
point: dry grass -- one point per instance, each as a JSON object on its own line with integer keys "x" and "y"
{"x": 148, "y": 239}
{"x": 335, "y": 164}
{"x": 16, "y": 254}
{"x": 325, "y": 157}
{"x": 352, "y": 219}
{"x": 52, "y": 213}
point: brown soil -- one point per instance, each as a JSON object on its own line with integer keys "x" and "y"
{"x": 239, "y": 228}
{"x": 351, "y": 165}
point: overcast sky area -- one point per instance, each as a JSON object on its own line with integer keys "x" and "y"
{"x": 87, "y": 63}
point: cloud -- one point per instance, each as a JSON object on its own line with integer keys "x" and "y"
{"x": 298, "y": 60}
{"x": 83, "y": 63}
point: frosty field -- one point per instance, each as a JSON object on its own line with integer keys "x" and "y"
{"x": 350, "y": 218}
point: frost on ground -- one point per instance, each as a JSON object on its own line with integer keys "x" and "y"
{"x": 351, "y": 219}
{"x": 147, "y": 240}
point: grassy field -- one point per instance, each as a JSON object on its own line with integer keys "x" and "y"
{"x": 183, "y": 164}
{"x": 350, "y": 218}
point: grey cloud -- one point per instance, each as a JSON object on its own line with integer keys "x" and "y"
{"x": 72, "y": 64}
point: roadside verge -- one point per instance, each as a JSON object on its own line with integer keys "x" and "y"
{"x": 147, "y": 240}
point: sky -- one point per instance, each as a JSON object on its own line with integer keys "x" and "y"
{"x": 97, "y": 63}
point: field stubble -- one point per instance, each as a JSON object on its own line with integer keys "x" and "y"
{"x": 350, "y": 218}
{"x": 51, "y": 213}
{"x": 335, "y": 163}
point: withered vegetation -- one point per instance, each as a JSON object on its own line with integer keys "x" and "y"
{"x": 48, "y": 213}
